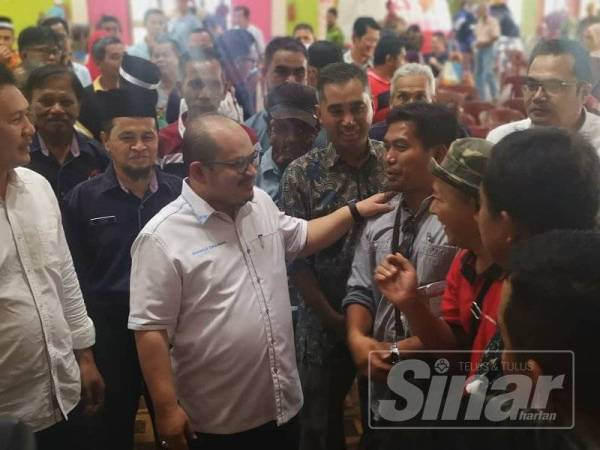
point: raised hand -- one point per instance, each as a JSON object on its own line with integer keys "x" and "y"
{"x": 396, "y": 279}
{"x": 375, "y": 204}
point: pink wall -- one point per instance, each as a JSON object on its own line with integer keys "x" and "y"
{"x": 260, "y": 14}
{"x": 118, "y": 8}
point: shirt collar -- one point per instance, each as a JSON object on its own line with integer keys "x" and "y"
{"x": 202, "y": 210}
{"x": 467, "y": 269}
{"x": 423, "y": 207}
{"x": 75, "y": 150}
{"x": 331, "y": 156}
{"x": 110, "y": 180}
{"x": 267, "y": 164}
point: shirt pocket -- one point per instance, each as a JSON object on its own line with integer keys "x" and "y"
{"x": 434, "y": 262}
{"x": 268, "y": 254}
{"x": 49, "y": 253}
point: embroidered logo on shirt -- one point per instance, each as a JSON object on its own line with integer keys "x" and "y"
{"x": 205, "y": 250}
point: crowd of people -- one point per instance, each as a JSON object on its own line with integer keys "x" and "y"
{"x": 239, "y": 230}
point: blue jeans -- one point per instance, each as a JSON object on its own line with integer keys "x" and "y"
{"x": 484, "y": 73}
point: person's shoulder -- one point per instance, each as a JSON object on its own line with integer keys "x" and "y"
{"x": 164, "y": 221}
{"x": 172, "y": 181}
{"x": 495, "y": 135}
{"x": 169, "y": 131}
{"x": 32, "y": 178}
{"x": 312, "y": 156}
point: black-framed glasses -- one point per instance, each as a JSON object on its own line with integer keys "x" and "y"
{"x": 552, "y": 86}
{"x": 240, "y": 165}
{"x": 47, "y": 51}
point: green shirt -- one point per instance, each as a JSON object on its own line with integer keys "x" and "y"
{"x": 335, "y": 35}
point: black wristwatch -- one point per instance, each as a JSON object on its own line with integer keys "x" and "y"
{"x": 354, "y": 211}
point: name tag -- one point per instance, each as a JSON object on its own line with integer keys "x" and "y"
{"x": 103, "y": 220}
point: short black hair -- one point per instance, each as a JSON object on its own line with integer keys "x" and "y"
{"x": 333, "y": 11}
{"x": 434, "y": 124}
{"x": 39, "y": 76}
{"x": 554, "y": 304}
{"x": 244, "y": 9}
{"x": 303, "y": 26}
{"x": 108, "y": 18}
{"x": 282, "y": 43}
{"x": 201, "y": 30}
{"x": 581, "y": 67}
{"x": 322, "y": 53}
{"x": 362, "y": 24}
{"x": 99, "y": 47}
{"x": 6, "y": 77}
{"x": 340, "y": 73}
{"x": 388, "y": 45}
{"x": 152, "y": 12}
{"x": 51, "y": 21}
{"x": 545, "y": 178}
{"x": 32, "y": 36}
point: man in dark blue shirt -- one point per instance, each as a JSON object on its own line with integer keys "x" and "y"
{"x": 62, "y": 155}
{"x": 102, "y": 218}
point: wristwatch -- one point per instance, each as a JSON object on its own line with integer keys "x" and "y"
{"x": 395, "y": 353}
{"x": 354, "y": 211}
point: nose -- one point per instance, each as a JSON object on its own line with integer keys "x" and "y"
{"x": 28, "y": 129}
{"x": 539, "y": 93}
{"x": 348, "y": 118}
{"x": 139, "y": 145}
{"x": 56, "y": 108}
{"x": 290, "y": 78}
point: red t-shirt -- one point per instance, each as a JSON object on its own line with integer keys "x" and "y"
{"x": 459, "y": 295}
{"x": 380, "y": 92}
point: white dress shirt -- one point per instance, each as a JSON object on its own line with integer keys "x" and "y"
{"x": 590, "y": 129}
{"x": 219, "y": 288}
{"x": 42, "y": 310}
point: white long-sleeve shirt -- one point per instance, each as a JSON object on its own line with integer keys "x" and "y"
{"x": 42, "y": 314}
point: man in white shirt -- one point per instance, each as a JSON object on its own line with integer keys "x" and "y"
{"x": 241, "y": 19}
{"x": 557, "y": 84}
{"x": 46, "y": 362}
{"x": 210, "y": 303}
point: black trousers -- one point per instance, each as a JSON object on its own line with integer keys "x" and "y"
{"x": 116, "y": 356}
{"x": 72, "y": 434}
{"x": 266, "y": 437}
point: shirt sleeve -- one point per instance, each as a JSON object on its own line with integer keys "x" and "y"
{"x": 450, "y": 305}
{"x": 156, "y": 287}
{"x": 293, "y": 199}
{"x": 360, "y": 283}
{"x": 295, "y": 233}
{"x": 81, "y": 326}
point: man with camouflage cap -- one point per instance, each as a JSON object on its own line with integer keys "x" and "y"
{"x": 474, "y": 282}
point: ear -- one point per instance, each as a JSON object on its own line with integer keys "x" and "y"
{"x": 534, "y": 370}
{"x": 511, "y": 232}
{"x": 104, "y": 138}
{"x": 585, "y": 90}
{"x": 318, "y": 113}
{"x": 439, "y": 153}
{"x": 197, "y": 172}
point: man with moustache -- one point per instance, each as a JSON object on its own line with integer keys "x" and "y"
{"x": 210, "y": 304}
{"x": 347, "y": 169}
{"x": 557, "y": 83}
{"x": 46, "y": 336}
{"x": 102, "y": 217}
{"x": 418, "y": 133}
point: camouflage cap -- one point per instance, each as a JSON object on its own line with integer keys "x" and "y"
{"x": 464, "y": 165}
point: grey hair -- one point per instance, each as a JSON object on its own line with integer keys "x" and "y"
{"x": 411, "y": 69}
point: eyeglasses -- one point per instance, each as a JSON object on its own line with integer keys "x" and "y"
{"x": 552, "y": 86}
{"x": 240, "y": 165}
{"x": 47, "y": 51}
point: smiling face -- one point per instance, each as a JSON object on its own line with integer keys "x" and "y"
{"x": 16, "y": 130}
{"x": 133, "y": 145}
{"x": 345, "y": 112}
{"x": 290, "y": 139}
{"x": 54, "y": 106}
{"x": 456, "y": 211}
{"x": 563, "y": 107}
{"x": 405, "y": 160}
